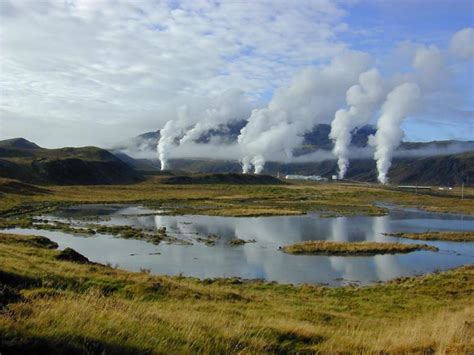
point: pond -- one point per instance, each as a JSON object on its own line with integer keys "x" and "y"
{"x": 262, "y": 259}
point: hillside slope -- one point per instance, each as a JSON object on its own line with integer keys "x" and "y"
{"x": 450, "y": 169}
{"x": 231, "y": 178}
{"x": 25, "y": 161}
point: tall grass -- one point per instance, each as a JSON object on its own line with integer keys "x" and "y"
{"x": 96, "y": 307}
{"x": 352, "y": 248}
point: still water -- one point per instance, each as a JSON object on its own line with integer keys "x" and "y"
{"x": 262, "y": 259}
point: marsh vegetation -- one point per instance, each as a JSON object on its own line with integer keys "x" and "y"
{"x": 319, "y": 247}
{"x": 444, "y": 235}
{"x": 233, "y": 200}
{"x": 66, "y": 306}
{"x": 50, "y": 302}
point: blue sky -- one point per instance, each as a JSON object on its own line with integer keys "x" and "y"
{"x": 83, "y": 72}
{"x": 384, "y": 24}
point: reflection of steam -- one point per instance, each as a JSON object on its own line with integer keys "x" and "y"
{"x": 379, "y": 226}
{"x": 339, "y": 229}
{"x": 350, "y": 268}
{"x": 159, "y": 222}
{"x": 386, "y": 266}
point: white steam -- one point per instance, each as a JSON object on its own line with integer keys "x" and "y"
{"x": 258, "y": 162}
{"x": 170, "y": 132}
{"x": 246, "y": 164}
{"x": 362, "y": 100}
{"x": 199, "y": 116}
{"x": 400, "y": 102}
{"x": 311, "y": 98}
{"x": 344, "y": 92}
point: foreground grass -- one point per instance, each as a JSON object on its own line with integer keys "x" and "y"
{"x": 323, "y": 247}
{"x": 63, "y": 306}
{"x": 448, "y": 236}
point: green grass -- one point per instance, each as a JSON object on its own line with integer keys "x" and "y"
{"x": 353, "y": 249}
{"x": 444, "y": 235}
{"x": 64, "y": 306}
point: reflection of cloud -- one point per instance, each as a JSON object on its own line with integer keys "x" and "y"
{"x": 387, "y": 267}
{"x": 262, "y": 259}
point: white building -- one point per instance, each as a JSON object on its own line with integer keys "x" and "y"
{"x": 306, "y": 177}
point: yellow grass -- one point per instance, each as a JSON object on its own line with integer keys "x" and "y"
{"x": 239, "y": 200}
{"x": 75, "y": 306}
{"x": 352, "y": 248}
{"x": 444, "y": 235}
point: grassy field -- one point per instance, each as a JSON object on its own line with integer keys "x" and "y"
{"x": 64, "y": 306}
{"x": 449, "y": 236}
{"x": 229, "y": 200}
{"x": 57, "y": 305}
{"x": 323, "y": 247}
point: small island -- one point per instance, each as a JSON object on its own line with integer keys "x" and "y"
{"x": 321, "y": 247}
{"x": 447, "y": 236}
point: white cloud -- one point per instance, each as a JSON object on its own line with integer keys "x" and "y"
{"x": 462, "y": 43}
{"x": 124, "y": 64}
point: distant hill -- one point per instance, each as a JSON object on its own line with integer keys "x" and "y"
{"x": 26, "y": 161}
{"x": 450, "y": 169}
{"x": 231, "y": 178}
{"x": 317, "y": 138}
{"x": 431, "y": 163}
{"x": 438, "y": 162}
{"x": 18, "y": 143}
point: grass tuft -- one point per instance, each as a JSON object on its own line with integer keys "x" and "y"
{"x": 322, "y": 247}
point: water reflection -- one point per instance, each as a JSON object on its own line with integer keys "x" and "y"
{"x": 263, "y": 259}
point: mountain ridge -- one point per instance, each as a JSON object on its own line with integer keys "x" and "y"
{"x": 23, "y": 160}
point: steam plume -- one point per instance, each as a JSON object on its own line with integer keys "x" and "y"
{"x": 362, "y": 100}
{"x": 400, "y": 102}
{"x": 258, "y": 162}
{"x": 311, "y": 98}
{"x": 199, "y": 116}
{"x": 246, "y": 164}
{"x": 167, "y": 137}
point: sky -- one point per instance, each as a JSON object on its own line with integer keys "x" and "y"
{"x": 96, "y": 72}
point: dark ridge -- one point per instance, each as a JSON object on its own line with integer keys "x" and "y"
{"x": 20, "y": 188}
{"x": 69, "y": 254}
{"x": 235, "y": 179}
{"x": 447, "y": 170}
{"x": 19, "y": 143}
{"x": 76, "y": 171}
{"x": 25, "y": 161}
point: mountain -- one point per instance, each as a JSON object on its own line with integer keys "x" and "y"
{"x": 317, "y": 138}
{"x": 18, "y": 143}
{"x": 226, "y": 133}
{"x": 436, "y": 162}
{"x": 446, "y": 170}
{"x": 427, "y": 163}
{"x": 26, "y": 161}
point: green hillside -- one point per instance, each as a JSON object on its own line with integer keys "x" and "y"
{"x": 25, "y": 161}
{"x": 450, "y": 169}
